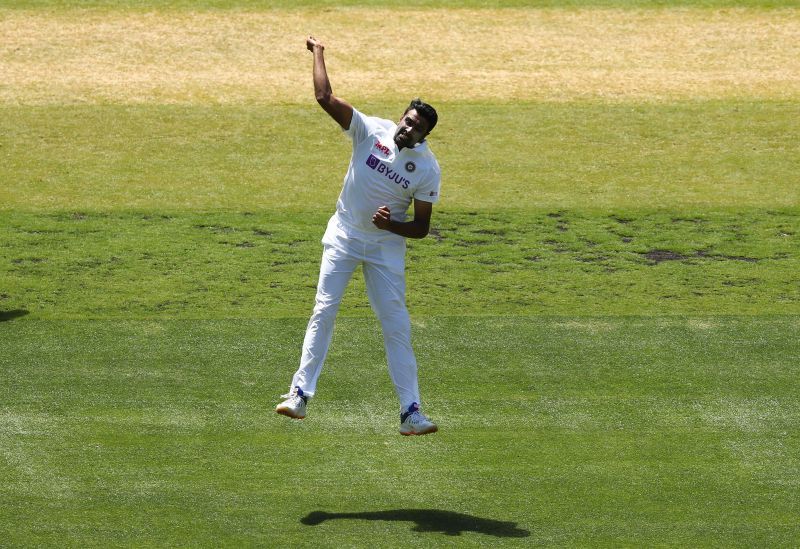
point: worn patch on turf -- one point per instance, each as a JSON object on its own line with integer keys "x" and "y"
{"x": 504, "y": 54}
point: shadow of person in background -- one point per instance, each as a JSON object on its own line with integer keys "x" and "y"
{"x": 428, "y": 520}
{"x": 5, "y": 316}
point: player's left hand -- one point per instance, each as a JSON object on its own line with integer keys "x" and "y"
{"x": 381, "y": 218}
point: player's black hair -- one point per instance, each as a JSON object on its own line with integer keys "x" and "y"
{"x": 425, "y": 111}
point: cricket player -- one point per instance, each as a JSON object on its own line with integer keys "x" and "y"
{"x": 390, "y": 167}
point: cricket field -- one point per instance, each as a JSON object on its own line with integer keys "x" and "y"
{"x": 606, "y": 312}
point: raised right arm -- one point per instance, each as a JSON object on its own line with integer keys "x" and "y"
{"x": 338, "y": 109}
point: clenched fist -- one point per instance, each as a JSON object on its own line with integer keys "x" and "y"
{"x": 382, "y": 218}
{"x": 312, "y": 43}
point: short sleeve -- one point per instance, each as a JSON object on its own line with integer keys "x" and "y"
{"x": 428, "y": 190}
{"x": 357, "y": 131}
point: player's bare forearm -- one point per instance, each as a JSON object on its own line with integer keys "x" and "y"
{"x": 338, "y": 109}
{"x": 409, "y": 229}
{"x": 322, "y": 85}
{"x": 418, "y": 228}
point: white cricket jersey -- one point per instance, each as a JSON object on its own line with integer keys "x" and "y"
{"x": 380, "y": 174}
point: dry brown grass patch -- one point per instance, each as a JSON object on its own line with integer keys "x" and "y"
{"x": 236, "y": 57}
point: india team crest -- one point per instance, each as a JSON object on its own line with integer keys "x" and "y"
{"x": 410, "y": 167}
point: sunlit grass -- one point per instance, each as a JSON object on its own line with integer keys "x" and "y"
{"x": 640, "y": 430}
{"x": 685, "y": 156}
{"x": 257, "y": 57}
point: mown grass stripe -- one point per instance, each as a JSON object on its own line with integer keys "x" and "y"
{"x": 263, "y": 5}
{"x": 654, "y": 431}
{"x": 264, "y": 264}
{"x": 255, "y": 57}
{"x": 689, "y": 155}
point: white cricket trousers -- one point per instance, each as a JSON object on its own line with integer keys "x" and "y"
{"x": 383, "y": 262}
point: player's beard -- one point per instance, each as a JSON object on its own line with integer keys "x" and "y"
{"x": 402, "y": 139}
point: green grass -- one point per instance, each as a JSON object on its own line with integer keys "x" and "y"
{"x": 587, "y": 209}
{"x": 605, "y": 316}
{"x": 265, "y": 263}
{"x": 624, "y": 431}
{"x": 728, "y": 154}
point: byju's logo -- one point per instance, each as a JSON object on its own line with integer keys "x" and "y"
{"x": 387, "y": 172}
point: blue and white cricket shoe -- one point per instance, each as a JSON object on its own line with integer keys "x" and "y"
{"x": 414, "y": 422}
{"x": 295, "y": 404}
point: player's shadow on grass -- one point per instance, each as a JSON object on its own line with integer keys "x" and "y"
{"x": 429, "y": 520}
{"x": 5, "y": 316}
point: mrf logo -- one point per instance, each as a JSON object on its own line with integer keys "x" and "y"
{"x": 383, "y": 169}
{"x": 383, "y": 148}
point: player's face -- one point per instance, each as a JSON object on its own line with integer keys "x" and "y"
{"x": 411, "y": 129}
